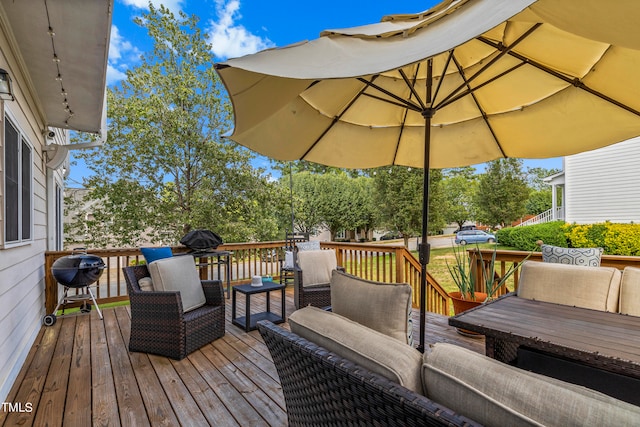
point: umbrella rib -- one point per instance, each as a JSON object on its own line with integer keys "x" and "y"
{"x": 577, "y": 82}
{"x": 485, "y": 117}
{"x": 444, "y": 70}
{"x": 412, "y": 88}
{"x": 504, "y": 50}
{"x": 471, "y": 90}
{"x": 336, "y": 119}
{"x": 406, "y": 111}
{"x": 403, "y": 102}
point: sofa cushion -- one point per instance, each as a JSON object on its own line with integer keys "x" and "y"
{"x": 154, "y": 254}
{"x": 630, "y": 291}
{"x": 370, "y": 349}
{"x": 574, "y": 256}
{"x": 316, "y": 267}
{"x": 384, "y": 307}
{"x": 494, "y": 393}
{"x": 597, "y": 288}
{"x": 179, "y": 274}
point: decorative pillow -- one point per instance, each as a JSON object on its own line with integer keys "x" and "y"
{"x": 575, "y": 256}
{"x": 308, "y": 246}
{"x": 370, "y": 349}
{"x": 146, "y": 284}
{"x": 153, "y": 254}
{"x": 494, "y": 393}
{"x": 384, "y": 307}
{"x": 179, "y": 274}
{"x": 316, "y": 267}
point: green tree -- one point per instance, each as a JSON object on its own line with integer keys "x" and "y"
{"x": 540, "y": 199}
{"x": 165, "y": 168}
{"x": 399, "y": 198}
{"x": 502, "y": 192}
{"x": 459, "y": 191}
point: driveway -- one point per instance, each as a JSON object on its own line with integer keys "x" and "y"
{"x": 435, "y": 241}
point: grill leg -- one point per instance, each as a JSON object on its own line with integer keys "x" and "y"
{"x": 94, "y": 301}
{"x": 61, "y": 301}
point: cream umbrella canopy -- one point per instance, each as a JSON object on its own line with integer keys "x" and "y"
{"x": 462, "y": 83}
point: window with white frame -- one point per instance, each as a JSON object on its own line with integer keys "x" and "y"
{"x": 18, "y": 187}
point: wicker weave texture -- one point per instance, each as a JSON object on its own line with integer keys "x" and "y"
{"x": 321, "y": 388}
{"x": 158, "y": 324}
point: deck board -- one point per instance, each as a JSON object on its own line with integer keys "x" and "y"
{"x": 80, "y": 372}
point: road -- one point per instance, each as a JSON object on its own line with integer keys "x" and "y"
{"x": 435, "y": 241}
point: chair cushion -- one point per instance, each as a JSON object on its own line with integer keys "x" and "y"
{"x": 179, "y": 274}
{"x": 154, "y": 254}
{"x": 597, "y": 288}
{"x": 494, "y": 393}
{"x": 316, "y": 267}
{"x": 370, "y": 349}
{"x": 308, "y": 246}
{"x": 146, "y": 284}
{"x": 384, "y": 307}
{"x": 574, "y": 256}
{"x": 630, "y": 291}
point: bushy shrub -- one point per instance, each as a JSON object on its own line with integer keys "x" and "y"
{"x": 615, "y": 239}
{"x": 525, "y": 238}
{"x": 586, "y": 235}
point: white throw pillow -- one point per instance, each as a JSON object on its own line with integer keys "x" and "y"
{"x": 146, "y": 284}
{"x": 179, "y": 274}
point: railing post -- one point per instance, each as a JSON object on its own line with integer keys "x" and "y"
{"x": 400, "y": 261}
{"x": 50, "y": 285}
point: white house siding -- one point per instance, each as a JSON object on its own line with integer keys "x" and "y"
{"x": 21, "y": 267}
{"x": 603, "y": 185}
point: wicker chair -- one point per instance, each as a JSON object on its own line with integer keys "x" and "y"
{"x": 314, "y": 267}
{"x": 158, "y": 324}
{"x": 322, "y": 388}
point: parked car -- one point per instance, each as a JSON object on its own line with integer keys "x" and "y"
{"x": 466, "y": 228}
{"x": 474, "y": 236}
{"x": 391, "y": 235}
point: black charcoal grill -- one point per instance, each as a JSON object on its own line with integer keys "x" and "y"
{"x": 76, "y": 271}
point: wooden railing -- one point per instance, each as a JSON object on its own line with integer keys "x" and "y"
{"x": 504, "y": 259}
{"x": 393, "y": 264}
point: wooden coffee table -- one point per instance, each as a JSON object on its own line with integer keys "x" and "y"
{"x": 249, "y": 320}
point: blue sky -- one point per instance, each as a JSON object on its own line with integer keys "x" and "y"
{"x": 240, "y": 27}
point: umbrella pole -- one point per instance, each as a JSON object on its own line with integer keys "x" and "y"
{"x": 291, "y": 198}
{"x": 424, "y": 249}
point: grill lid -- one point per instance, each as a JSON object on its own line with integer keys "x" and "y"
{"x": 77, "y": 270}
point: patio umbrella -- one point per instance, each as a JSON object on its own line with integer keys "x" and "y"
{"x": 462, "y": 83}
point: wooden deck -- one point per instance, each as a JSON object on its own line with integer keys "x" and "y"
{"x": 79, "y": 372}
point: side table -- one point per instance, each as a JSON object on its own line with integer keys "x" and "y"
{"x": 249, "y": 320}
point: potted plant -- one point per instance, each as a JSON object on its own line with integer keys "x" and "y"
{"x": 464, "y": 276}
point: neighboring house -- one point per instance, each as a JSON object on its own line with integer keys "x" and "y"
{"x": 599, "y": 185}
{"x": 55, "y": 53}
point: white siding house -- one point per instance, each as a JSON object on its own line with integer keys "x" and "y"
{"x": 55, "y": 53}
{"x": 599, "y": 185}
{"x": 603, "y": 185}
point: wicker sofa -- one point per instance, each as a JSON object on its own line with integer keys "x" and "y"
{"x": 334, "y": 371}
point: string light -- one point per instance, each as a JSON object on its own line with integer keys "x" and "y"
{"x": 59, "y": 73}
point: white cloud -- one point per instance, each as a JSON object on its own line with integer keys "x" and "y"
{"x": 114, "y": 75}
{"x": 121, "y": 52}
{"x": 173, "y": 5}
{"x": 229, "y": 39}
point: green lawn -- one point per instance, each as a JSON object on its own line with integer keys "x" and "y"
{"x": 438, "y": 264}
